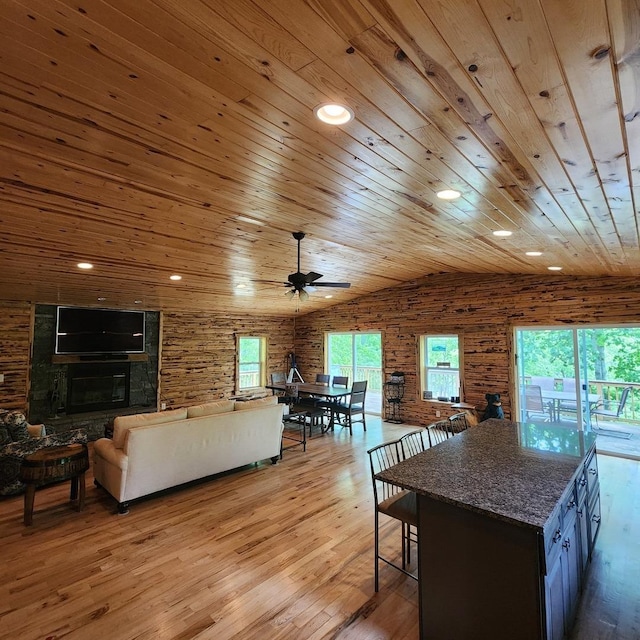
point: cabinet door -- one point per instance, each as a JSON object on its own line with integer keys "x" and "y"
{"x": 570, "y": 560}
{"x": 583, "y": 527}
{"x": 554, "y": 596}
{"x": 594, "y": 522}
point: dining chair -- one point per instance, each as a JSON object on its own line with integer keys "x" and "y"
{"x": 355, "y": 406}
{"x": 611, "y": 409}
{"x": 392, "y": 501}
{"x": 535, "y": 407}
{"x": 322, "y": 378}
{"x": 340, "y": 381}
{"x": 439, "y": 432}
{"x": 279, "y": 378}
{"x": 458, "y": 422}
{"x": 544, "y": 382}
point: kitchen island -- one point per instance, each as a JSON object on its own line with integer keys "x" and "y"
{"x": 507, "y": 518}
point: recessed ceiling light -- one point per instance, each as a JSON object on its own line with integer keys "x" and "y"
{"x": 554, "y": 268}
{"x": 502, "y": 233}
{"x": 85, "y": 265}
{"x": 333, "y": 113}
{"x": 101, "y": 299}
{"x": 533, "y": 253}
{"x": 241, "y": 286}
{"x": 448, "y": 194}
{"x": 250, "y": 220}
{"x": 137, "y": 302}
{"x": 175, "y": 277}
{"x": 329, "y": 296}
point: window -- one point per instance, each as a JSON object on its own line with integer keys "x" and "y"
{"x": 357, "y": 355}
{"x": 252, "y": 358}
{"x": 440, "y": 366}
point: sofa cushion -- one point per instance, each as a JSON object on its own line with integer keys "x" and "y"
{"x": 254, "y": 404}
{"x": 16, "y": 424}
{"x": 4, "y": 436}
{"x": 210, "y": 408}
{"x": 122, "y": 424}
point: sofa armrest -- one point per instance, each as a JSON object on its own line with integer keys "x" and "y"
{"x": 105, "y": 449}
{"x": 36, "y": 430}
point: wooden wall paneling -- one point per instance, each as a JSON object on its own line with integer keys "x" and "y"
{"x": 15, "y": 349}
{"x": 199, "y": 353}
{"x": 484, "y": 309}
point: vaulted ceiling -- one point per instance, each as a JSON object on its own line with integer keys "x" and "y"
{"x": 156, "y": 137}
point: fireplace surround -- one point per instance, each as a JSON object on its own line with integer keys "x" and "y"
{"x": 96, "y": 386}
{"x": 50, "y": 397}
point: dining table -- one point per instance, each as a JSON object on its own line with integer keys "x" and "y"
{"x": 556, "y": 398}
{"x": 329, "y": 393}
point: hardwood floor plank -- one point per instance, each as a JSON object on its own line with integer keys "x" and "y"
{"x": 279, "y": 552}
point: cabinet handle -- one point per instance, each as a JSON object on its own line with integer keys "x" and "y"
{"x": 596, "y": 519}
{"x": 566, "y": 544}
{"x": 593, "y": 471}
{"x": 579, "y": 512}
{"x": 571, "y": 504}
{"x": 557, "y": 535}
{"x": 582, "y": 482}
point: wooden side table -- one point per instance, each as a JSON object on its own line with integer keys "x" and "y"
{"x": 51, "y": 464}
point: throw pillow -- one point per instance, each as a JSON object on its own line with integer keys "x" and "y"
{"x": 210, "y": 408}
{"x": 16, "y": 424}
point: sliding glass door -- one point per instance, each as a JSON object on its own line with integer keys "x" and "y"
{"x": 359, "y": 357}
{"x": 586, "y": 378}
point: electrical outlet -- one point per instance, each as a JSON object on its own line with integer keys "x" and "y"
{"x": 437, "y": 414}
{"x": 163, "y": 406}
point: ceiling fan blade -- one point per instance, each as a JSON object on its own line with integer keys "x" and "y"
{"x": 342, "y": 285}
{"x": 312, "y": 276}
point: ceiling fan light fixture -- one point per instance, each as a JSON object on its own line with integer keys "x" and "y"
{"x": 303, "y": 295}
{"x": 448, "y": 194}
{"x": 332, "y": 113}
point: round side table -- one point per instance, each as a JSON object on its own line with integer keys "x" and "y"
{"x": 68, "y": 462}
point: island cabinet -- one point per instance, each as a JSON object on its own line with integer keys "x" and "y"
{"x": 507, "y": 518}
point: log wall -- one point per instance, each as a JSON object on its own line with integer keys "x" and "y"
{"x": 15, "y": 340}
{"x": 197, "y": 353}
{"x": 198, "y": 349}
{"x": 198, "y": 357}
{"x": 482, "y": 309}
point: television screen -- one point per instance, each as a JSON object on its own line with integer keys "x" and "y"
{"x": 97, "y": 331}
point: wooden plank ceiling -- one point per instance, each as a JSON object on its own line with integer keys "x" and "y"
{"x": 154, "y": 137}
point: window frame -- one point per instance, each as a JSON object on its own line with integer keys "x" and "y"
{"x": 424, "y": 368}
{"x": 262, "y": 362}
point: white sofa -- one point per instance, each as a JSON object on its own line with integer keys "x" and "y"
{"x": 150, "y": 452}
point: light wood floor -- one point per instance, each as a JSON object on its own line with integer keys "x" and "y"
{"x": 268, "y": 552}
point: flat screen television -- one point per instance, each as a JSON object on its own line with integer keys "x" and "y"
{"x": 81, "y": 331}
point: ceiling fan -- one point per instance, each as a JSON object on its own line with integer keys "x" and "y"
{"x": 302, "y": 283}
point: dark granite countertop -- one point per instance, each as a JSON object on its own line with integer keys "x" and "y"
{"x": 510, "y": 471}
